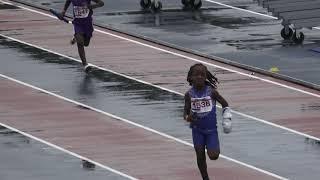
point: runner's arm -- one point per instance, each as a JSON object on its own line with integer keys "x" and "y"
{"x": 98, "y": 3}
{"x": 66, "y": 6}
{"x": 187, "y": 108}
{"x": 219, "y": 98}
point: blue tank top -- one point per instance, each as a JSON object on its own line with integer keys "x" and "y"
{"x": 203, "y": 109}
{"x": 81, "y": 13}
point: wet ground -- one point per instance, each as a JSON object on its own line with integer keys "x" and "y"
{"x": 25, "y": 158}
{"x": 218, "y": 31}
{"x": 251, "y": 142}
{"x": 247, "y": 41}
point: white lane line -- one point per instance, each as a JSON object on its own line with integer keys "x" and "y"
{"x": 163, "y": 88}
{"x": 6, "y": 3}
{"x": 62, "y": 149}
{"x": 252, "y": 12}
{"x": 124, "y": 120}
{"x": 101, "y": 68}
{"x": 32, "y": 10}
{"x": 212, "y": 65}
{"x": 249, "y": 11}
{"x": 240, "y": 9}
{"x": 187, "y": 57}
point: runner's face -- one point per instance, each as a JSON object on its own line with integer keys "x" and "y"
{"x": 199, "y": 76}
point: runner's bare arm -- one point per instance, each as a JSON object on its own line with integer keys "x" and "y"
{"x": 187, "y": 108}
{"x": 226, "y": 112}
{"x": 220, "y": 99}
{"x": 66, "y": 6}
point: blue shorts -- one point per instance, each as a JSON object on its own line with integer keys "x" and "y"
{"x": 86, "y": 29}
{"x": 209, "y": 139}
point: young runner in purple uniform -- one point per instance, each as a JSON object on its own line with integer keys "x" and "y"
{"x": 82, "y": 23}
{"x": 200, "y": 111}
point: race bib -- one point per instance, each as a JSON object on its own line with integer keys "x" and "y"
{"x": 80, "y": 11}
{"x": 201, "y": 105}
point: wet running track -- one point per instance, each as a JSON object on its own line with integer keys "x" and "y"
{"x": 121, "y": 140}
{"x": 233, "y": 31}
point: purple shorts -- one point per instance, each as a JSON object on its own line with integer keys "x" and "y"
{"x": 209, "y": 139}
{"x": 85, "y": 29}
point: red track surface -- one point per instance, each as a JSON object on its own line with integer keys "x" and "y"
{"x": 121, "y": 146}
{"x": 114, "y": 143}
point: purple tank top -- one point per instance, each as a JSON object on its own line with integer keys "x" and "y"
{"x": 203, "y": 109}
{"x": 81, "y": 14}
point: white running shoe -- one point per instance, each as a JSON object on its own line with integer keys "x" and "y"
{"x": 87, "y": 68}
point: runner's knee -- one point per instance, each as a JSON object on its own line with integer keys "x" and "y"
{"x": 86, "y": 42}
{"x": 80, "y": 42}
{"x": 213, "y": 155}
{"x": 80, "y": 39}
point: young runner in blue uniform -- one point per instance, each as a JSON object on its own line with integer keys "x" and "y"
{"x": 82, "y": 23}
{"x": 200, "y": 111}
